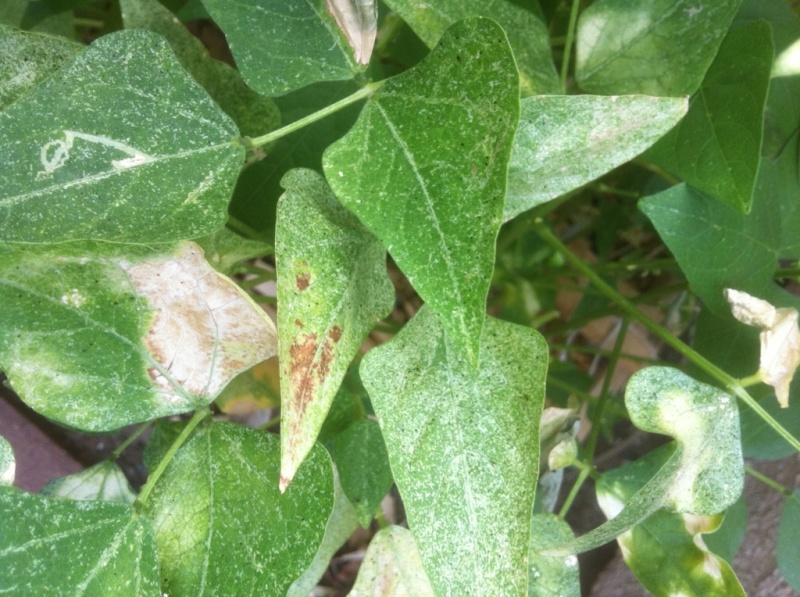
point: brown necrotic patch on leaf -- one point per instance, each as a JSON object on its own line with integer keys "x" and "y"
{"x": 310, "y": 365}
{"x": 204, "y": 330}
{"x": 303, "y": 280}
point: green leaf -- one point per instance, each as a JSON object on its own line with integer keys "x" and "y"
{"x": 759, "y": 440}
{"x": 392, "y": 567}
{"x": 253, "y": 114}
{"x": 717, "y": 147}
{"x": 221, "y": 523}
{"x": 27, "y": 59}
{"x": 103, "y": 481}
{"x": 280, "y": 46}
{"x": 8, "y": 465}
{"x": 64, "y": 547}
{"x": 551, "y": 576}
{"x": 119, "y": 145}
{"x": 788, "y": 548}
{"x": 564, "y": 142}
{"x": 97, "y": 336}
{"x": 360, "y": 454}
{"x": 464, "y": 447}
{"x": 225, "y": 250}
{"x": 703, "y": 475}
{"x": 654, "y": 47}
{"x": 424, "y": 168}
{"x": 332, "y": 289}
{"x": 527, "y": 34}
{"x": 14, "y": 12}
{"x": 664, "y": 551}
{"x": 716, "y": 246}
{"x": 341, "y": 524}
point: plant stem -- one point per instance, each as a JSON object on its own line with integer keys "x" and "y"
{"x": 573, "y": 19}
{"x": 366, "y": 91}
{"x": 767, "y": 481}
{"x": 130, "y": 439}
{"x": 176, "y": 445}
{"x": 728, "y": 382}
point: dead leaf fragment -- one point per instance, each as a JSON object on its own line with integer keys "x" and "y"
{"x": 205, "y": 329}
{"x": 780, "y": 339}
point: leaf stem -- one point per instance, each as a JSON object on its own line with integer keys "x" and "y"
{"x": 767, "y": 481}
{"x": 573, "y": 19}
{"x": 129, "y": 440}
{"x": 728, "y": 382}
{"x": 366, "y": 91}
{"x": 164, "y": 462}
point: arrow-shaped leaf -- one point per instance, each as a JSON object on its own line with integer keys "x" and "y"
{"x": 424, "y": 168}
{"x": 464, "y": 448}
{"x": 332, "y": 289}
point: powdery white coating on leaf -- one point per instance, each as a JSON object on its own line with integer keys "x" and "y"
{"x": 26, "y": 59}
{"x": 526, "y": 32}
{"x": 424, "y": 169}
{"x": 358, "y": 21}
{"x": 564, "y": 142}
{"x": 463, "y": 445}
{"x": 392, "y": 567}
{"x": 158, "y": 167}
{"x": 78, "y": 547}
{"x": 703, "y": 475}
{"x": 780, "y": 339}
{"x": 551, "y": 576}
{"x": 205, "y": 329}
{"x": 654, "y": 47}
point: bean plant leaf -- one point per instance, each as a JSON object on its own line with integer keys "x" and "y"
{"x": 78, "y": 547}
{"x": 8, "y": 465}
{"x": 97, "y": 336}
{"x": 392, "y": 567}
{"x": 121, "y": 145}
{"x": 14, "y": 13}
{"x": 341, "y": 524}
{"x": 654, "y": 47}
{"x": 103, "y": 481}
{"x": 281, "y": 45}
{"x": 464, "y": 447}
{"x": 717, "y": 147}
{"x": 551, "y": 576}
{"x": 565, "y": 141}
{"x": 726, "y": 540}
{"x": 332, "y": 289}
{"x": 27, "y": 59}
{"x": 788, "y": 548}
{"x": 666, "y": 551}
{"x": 703, "y": 475}
{"x": 253, "y": 114}
{"x": 360, "y": 454}
{"x": 716, "y": 246}
{"x": 221, "y": 523}
{"x": 526, "y": 32}
{"x": 424, "y": 168}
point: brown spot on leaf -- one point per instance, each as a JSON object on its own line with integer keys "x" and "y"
{"x": 309, "y": 367}
{"x": 335, "y": 333}
{"x": 303, "y": 280}
{"x": 299, "y": 323}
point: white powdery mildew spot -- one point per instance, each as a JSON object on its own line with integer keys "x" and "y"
{"x": 205, "y": 329}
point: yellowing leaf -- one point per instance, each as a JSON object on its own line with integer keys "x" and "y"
{"x": 780, "y": 339}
